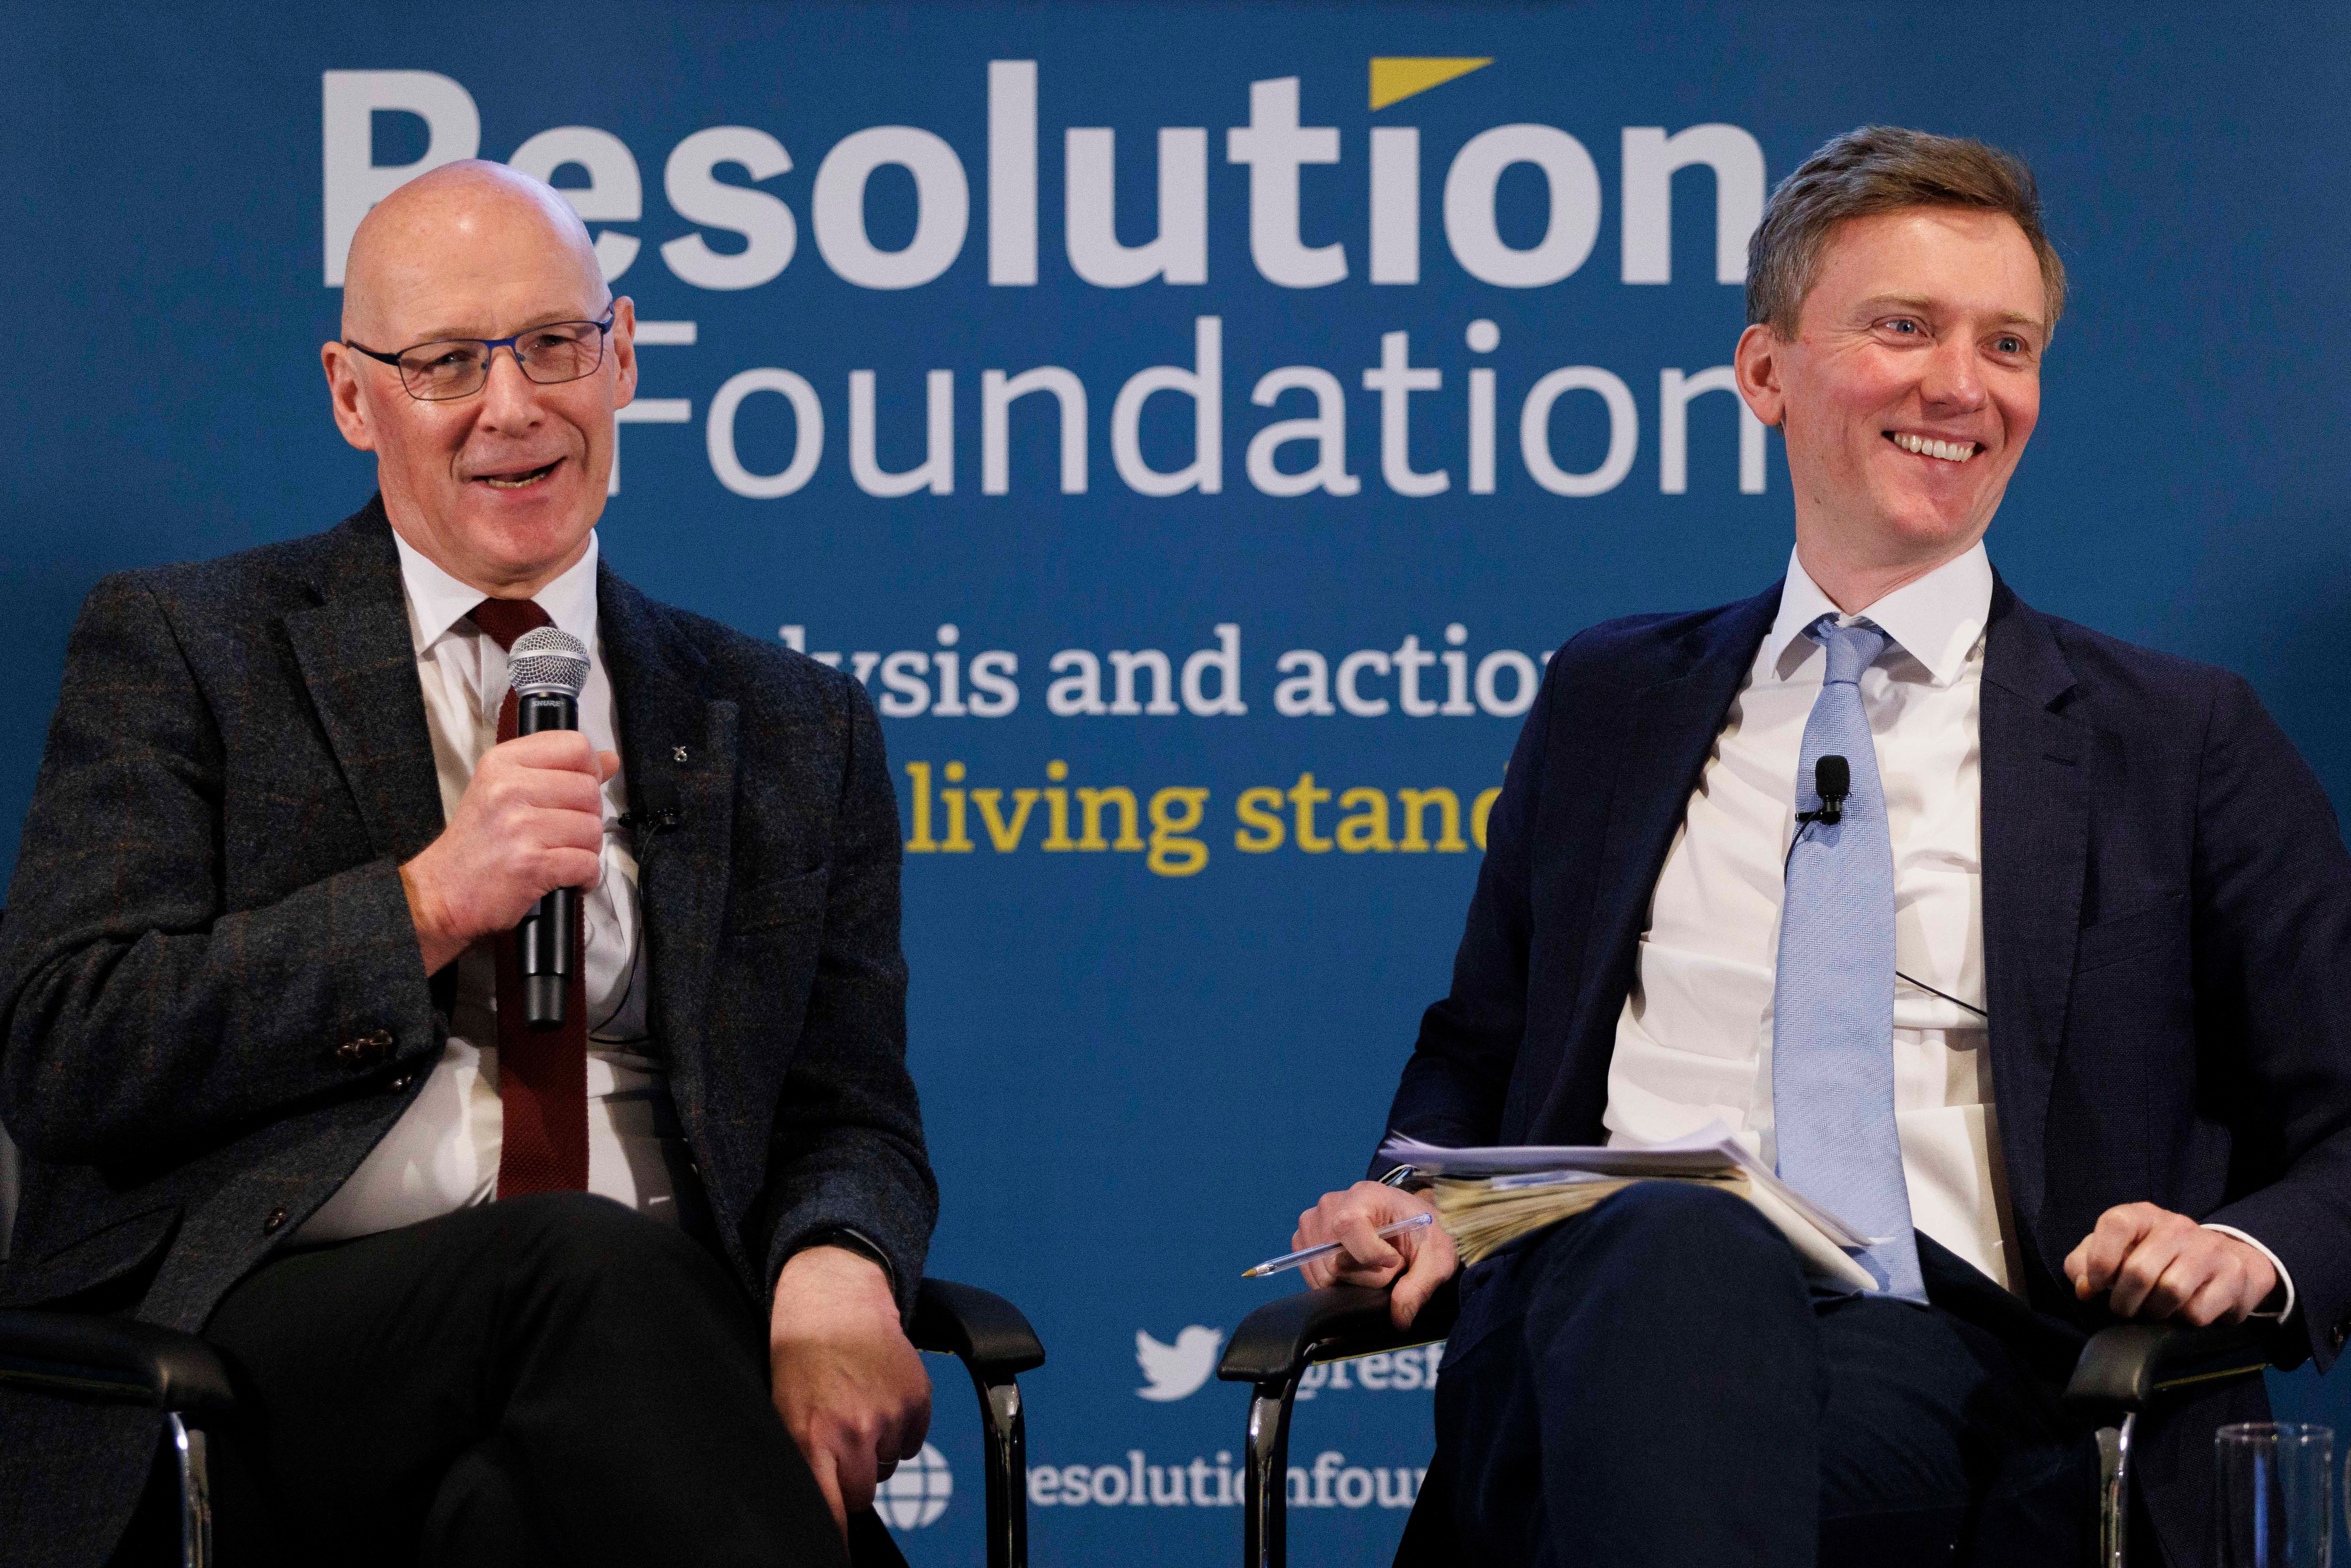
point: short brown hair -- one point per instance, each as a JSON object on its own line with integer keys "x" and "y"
{"x": 1881, "y": 169}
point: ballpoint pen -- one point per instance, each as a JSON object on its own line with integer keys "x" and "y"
{"x": 1308, "y": 1254}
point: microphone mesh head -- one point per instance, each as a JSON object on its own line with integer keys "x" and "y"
{"x": 1832, "y": 775}
{"x": 545, "y": 659}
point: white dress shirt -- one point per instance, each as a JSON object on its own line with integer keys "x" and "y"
{"x": 442, "y": 1153}
{"x": 1694, "y": 1042}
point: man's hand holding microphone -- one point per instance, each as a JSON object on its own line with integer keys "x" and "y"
{"x": 531, "y": 821}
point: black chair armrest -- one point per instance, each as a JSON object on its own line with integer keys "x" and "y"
{"x": 989, "y": 1332}
{"x": 996, "y": 1344}
{"x": 1276, "y": 1340}
{"x": 1272, "y": 1350}
{"x": 115, "y": 1361}
{"x": 2124, "y": 1368}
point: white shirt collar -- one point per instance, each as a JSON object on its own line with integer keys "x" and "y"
{"x": 1936, "y": 617}
{"x": 437, "y": 601}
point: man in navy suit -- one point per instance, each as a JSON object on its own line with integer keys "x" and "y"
{"x": 2059, "y": 1003}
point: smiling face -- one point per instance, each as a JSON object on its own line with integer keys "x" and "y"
{"x": 1907, "y": 392}
{"x": 500, "y": 487}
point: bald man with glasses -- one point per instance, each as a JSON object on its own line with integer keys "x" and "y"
{"x": 629, "y": 1290}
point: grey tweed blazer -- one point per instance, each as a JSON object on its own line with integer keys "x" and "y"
{"x": 212, "y": 1004}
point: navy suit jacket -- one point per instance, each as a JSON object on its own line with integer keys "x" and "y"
{"x": 2167, "y": 913}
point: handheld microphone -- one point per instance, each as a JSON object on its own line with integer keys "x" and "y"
{"x": 546, "y": 668}
{"x": 1831, "y": 782}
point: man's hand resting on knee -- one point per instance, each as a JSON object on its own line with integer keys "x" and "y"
{"x": 2157, "y": 1264}
{"x": 1417, "y": 1260}
{"x": 849, "y": 1386}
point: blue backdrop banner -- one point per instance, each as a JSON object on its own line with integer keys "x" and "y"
{"x": 1196, "y": 424}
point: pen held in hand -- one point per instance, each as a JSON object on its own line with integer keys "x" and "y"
{"x": 1308, "y": 1254}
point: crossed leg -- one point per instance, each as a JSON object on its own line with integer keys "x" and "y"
{"x": 1654, "y": 1382}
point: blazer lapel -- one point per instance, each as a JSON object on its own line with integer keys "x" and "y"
{"x": 678, "y": 748}
{"x": 1669, "y": 729}
{"x": 2035, "y": 845}
{"x": 359, "y": 664}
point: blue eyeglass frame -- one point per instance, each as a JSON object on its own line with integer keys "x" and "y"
{"x": 490, "y": 347}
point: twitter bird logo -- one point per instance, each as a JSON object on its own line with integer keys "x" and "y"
{"x": 1177, "y": 1370}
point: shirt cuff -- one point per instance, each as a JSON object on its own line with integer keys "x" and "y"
{"x": 2285, "y": 1278}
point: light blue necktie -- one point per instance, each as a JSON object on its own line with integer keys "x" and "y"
{"x": 1832, "y": 1013}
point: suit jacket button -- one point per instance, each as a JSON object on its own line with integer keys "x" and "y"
{"x": 269, "y": 1227}
{"x": 2337, "y": 1334}
{"x": 402, "y": 1082}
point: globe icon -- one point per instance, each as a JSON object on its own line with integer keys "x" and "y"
{"x": 916, "y": 1492}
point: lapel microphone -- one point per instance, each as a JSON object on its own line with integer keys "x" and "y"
{"x": 545, "y": 667}
{"x": 1831, "y": 782}
{"x": 657, "y": 792}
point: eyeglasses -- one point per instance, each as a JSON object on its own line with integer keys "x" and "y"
{"x": 460, "y": 367}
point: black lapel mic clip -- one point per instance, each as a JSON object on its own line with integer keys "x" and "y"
{"x": 660, "y": 813}
{"x": 1831, "y": 782}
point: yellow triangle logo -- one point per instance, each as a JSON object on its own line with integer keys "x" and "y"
{"x": 1395, "y": 77}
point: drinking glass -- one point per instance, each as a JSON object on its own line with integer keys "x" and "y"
{"x": 2276, "y": 1494}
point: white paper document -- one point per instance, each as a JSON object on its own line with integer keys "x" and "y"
{"x": 1819, "y": 1237}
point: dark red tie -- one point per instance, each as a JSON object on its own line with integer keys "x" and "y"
{"x": 542, "y": 1077}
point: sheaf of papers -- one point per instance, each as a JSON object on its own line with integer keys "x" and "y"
{"x": 1821, "y": 1239}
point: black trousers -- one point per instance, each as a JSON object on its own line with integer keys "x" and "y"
{"x": 552, "y": 1380}
{"x": 1655, "y": 1383}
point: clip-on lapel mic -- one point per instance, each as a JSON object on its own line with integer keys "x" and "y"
{"x": 1831, "y": 782}
{"x": 658, "y": 793}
